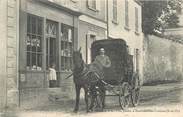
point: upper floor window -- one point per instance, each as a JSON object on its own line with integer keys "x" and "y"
{"x": 94, "y": 5}
{"x": 136, "y": 20}
{"x": 126, "y": 13}
{"x": 34, "y": 41}
{"x": 115, "y": 11}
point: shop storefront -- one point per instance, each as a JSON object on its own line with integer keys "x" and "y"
{"x": 48, "y": 35}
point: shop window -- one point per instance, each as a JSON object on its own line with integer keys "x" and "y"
{"x": 34, "y": 42}
{"x": 51, "y": 39}
{"x": 66, "y": 47}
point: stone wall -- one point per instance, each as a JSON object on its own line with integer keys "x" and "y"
{"x": 3, "y": 30}
{"x": 163, "y": 60}
{"x": 8, "y": 60}
{"x": 12, "y": 52}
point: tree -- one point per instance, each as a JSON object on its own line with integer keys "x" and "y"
{"x": 160, "y": 14}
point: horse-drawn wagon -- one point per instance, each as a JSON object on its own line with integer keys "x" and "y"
{"x": 120, "y": 78}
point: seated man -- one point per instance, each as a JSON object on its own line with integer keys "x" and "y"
{"x": 101, "y": 61}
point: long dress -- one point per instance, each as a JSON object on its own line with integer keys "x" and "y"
{"x": 52, "y": 77}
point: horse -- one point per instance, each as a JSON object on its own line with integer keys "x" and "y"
{"x": 82, "y": 77}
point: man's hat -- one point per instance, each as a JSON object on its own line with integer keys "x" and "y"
{"x": 102, "y": 49}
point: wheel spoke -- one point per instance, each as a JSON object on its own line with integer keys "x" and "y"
{"x": 124, "y": 96}
{"x": 135, "y": 97}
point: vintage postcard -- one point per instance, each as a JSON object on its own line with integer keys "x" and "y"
{"x": 64, "y": 58}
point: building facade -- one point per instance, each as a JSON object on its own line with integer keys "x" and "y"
{"x": 92, "y": 25}
{"x": 40, "y": 33}
{"x": 125, "y": 22}
{"x": 48, "y": 35}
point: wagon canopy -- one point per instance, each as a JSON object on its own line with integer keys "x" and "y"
{"x": 116, "y": 49}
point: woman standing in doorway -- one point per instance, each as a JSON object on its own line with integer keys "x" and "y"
{"x": 52, "y": 76}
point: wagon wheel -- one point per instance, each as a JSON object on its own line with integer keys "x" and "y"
{"x": 135, "y": 93}
{"x": 124, "y": 95}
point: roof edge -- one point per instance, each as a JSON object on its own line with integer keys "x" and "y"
{"x": 69, "y": 10}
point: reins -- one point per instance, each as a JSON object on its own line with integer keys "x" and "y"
{"x": 82, "y": 73}
{"x": 69, "y": 75}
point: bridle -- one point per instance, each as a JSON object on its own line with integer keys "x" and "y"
{"x": 82, "y": 71}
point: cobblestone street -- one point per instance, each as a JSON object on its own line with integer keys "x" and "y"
{"x": 160, "y": 98}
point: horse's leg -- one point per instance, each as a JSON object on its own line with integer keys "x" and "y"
{"x": 86, "y": 97}
{"x": 77, "y": 98}
{"x": 92, "y": 97}
{"x": 103, "y": 97}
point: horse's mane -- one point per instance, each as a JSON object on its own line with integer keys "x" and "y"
{"x": 81, "y": 60}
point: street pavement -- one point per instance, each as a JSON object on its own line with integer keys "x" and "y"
{"x": 148, "y": 92}
{"x": 160, "y": 98}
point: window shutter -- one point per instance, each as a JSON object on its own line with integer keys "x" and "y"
{"x": 115, "y": 10}
{"x": 126, "y": 14}
{"x": 136, "y": 19}
{"x": 87, "y": 47}
{"x": 89, "y": 3}
{"x": 69, "y": 35}
{"x": 98, "y": 5}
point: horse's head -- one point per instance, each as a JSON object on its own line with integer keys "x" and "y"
{"x": 77, "y": 60}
